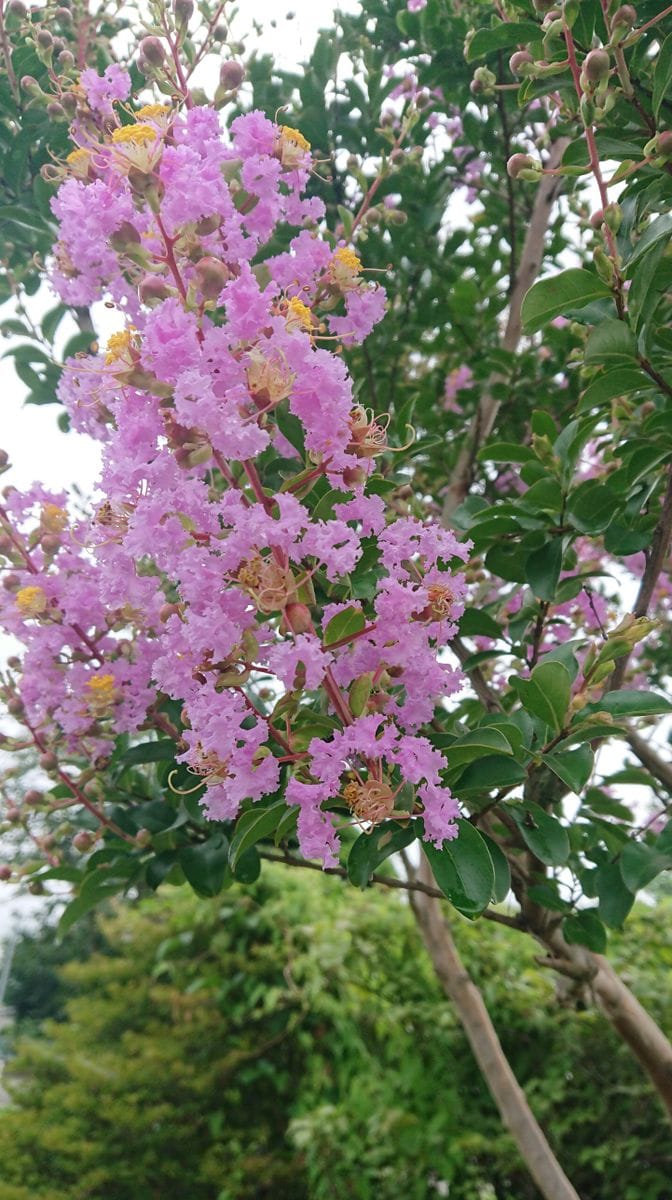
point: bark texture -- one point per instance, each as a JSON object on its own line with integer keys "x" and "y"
{"x": 507, "y": 1093}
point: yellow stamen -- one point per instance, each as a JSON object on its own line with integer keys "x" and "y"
{"x": 153, "y": 112}
{"x": 53, "y": 519}
{"x": 79, "y": 160}
{"x": 103, "y": 692}
{"x": 31, "y": 601}
{"x": 298, "y": 314}
{"x": 118, "y": 346}
{"x": 137, "y": 135}
{"x": 348, "y": 259}
{"x": 295, "y": 136}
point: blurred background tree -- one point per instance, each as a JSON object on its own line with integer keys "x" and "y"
{"x": 289, "y": 1041}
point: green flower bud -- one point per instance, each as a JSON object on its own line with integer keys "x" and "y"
{"x": 521, "y": 63}
{"x": 597, "y": 65}
{"x": 524, "y": 166}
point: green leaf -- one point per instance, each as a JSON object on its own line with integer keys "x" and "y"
{"x": 640, "y": 863}
{"x": 630, "y": 703}
{"x": 475, "y": 745}
{"x": 463, "y": 870}
{"x": 547, "y": 894}
{"x": 475, "y": 622}
{"x": 546, "y": 693}
{"x": 658, "y": 230}
{"x": 506, "y": 452}
{"x": 494, "y": 770}
{"x": 248, "y": 867}
{"x": 101, "y": 883}
{"x": 542, "y": 833}
{"x": 586, "y": 929}
{"x": 252, "y": 826}
{"x": 573, "y": 767}
{"x": 591, "y": 506}
{"x": 205, "y": 864}
{"x": 162, "y": 750}
{"x": 542, "y": 569}
{"x": 344, "y": 626}
{"x": 608, "y": 385}
{"x": 552, "y": 297}
{"x": 611, "y": 341}
{"x": 371, "y": 849}
{"x": 502, "y": 870}
{"x": 615, "y": 898}
{"x": 500, "y": 37}
{"x": 662, "y": 75}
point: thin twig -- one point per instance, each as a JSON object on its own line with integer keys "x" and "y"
{"x": 388, "y": 881}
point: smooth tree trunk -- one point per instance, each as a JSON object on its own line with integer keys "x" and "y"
{"x": 504, "y": 1088}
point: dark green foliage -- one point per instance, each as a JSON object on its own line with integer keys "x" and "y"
{"x": 292, "y": 1043}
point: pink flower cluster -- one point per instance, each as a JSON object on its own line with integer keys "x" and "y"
{"x": 242, "y": 561}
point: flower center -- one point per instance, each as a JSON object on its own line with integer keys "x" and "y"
{"x": 31, "y": 601}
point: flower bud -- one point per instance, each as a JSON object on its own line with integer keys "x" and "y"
{"x": 523, "y": 166}
{"x": 664, "y": 144}
{"x": 597, "y": 65}
{"x": 219, "y": 33}
{"x": 5, "y": 872}
{"x": 167, "y": 611}
{"x": 623, "y": 20}
{"x": 604, "y": 266}
{"x": 83, "y": 841}
{"x": 29, "y": 84}
{"x": 483, "y": 82}
{"x": 211, "y": 276}
{"x": 151, "y": 49}
{"x": 153, "y": 288}
{"x": 183, "y": 12}
{"x": 33, "y": 798}
{"x": 143, "y": 838}
{"x": 56, "y": 111}
{"x": 11, "y": 583}
{"x": 44, "y": 40}
{"x": 520, "y": 62}
{"x": 17, "y": 9}
{"x": 298, "y": 618}
{"x": 66, "y": 60}
{"x": 4, "y": 459}
{"x": 48, "y": 761}
{"x": 613, "y": 216}
{"x": 123, "y": 237}
{"x": 231, "y": 74}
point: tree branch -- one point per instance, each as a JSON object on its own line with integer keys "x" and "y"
{"x": 530, "y": 264}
